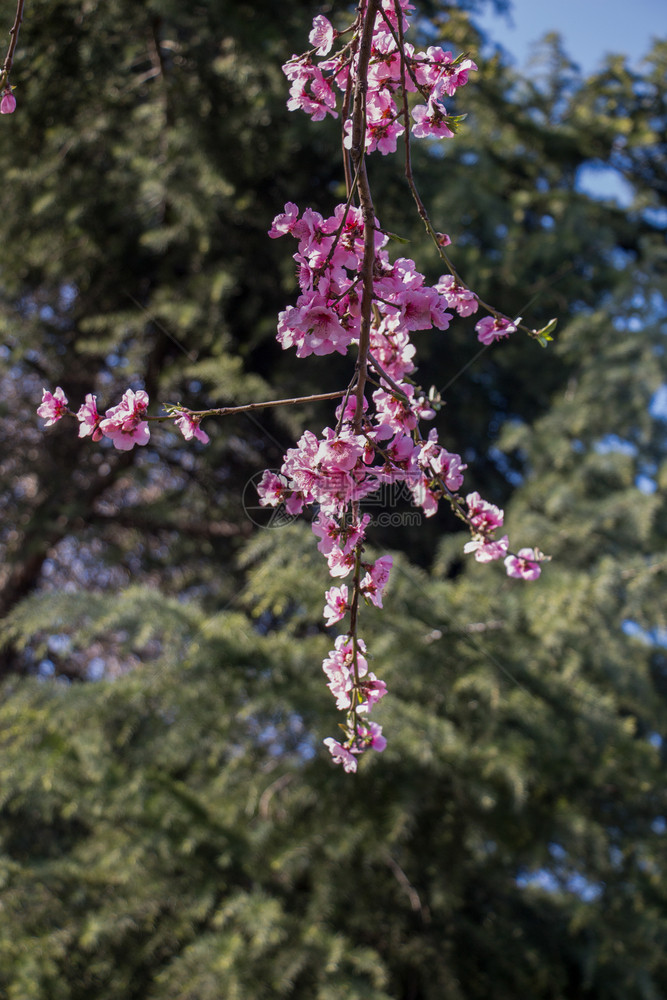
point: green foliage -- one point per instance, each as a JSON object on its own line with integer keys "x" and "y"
{"x": 153, "y": 150}
{"x": 188, "y": 836}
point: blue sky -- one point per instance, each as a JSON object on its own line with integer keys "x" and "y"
{"x": 590, "y": 28}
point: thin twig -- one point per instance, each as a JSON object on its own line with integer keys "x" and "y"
{"x": 14, "y": 32}
{"x": 358, "y": 151}
{"x": 398, "y": 392}
{"x": 226, "y": 411}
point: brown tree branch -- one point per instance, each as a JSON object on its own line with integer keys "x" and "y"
{"x": 14, "y": 32}
{"x": 358, "y": 152}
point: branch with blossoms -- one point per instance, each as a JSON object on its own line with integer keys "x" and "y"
{"x": 355, "y": 298}
{"x": 127, "y": 423}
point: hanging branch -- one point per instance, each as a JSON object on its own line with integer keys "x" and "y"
{"x": 352, "y": 292}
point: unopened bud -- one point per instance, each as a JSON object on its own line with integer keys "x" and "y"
{"x": 8, "y": 103}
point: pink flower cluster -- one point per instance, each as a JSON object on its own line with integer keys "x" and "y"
{"x": 336, "y": 471}
{"x": 326, "y": 317}
{"x": 355, "y": 688}
{"x": 123, "y": 424}
{"x": 434, "y": 75}
{"x": 383, "y": 444}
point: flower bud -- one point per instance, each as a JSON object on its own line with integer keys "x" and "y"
{"x": 8, "y": 103}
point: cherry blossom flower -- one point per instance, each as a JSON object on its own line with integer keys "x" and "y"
{"x": 340, "y": 563}
{"x": 285, "y": 222}
{"x": 492, "y": 328}
{"x": 457, "y": 297}
{"x": 312, "y": 326}
{"x": 525, "y": 565}
{"x": 448, "y": 466}
{"x": 341, "y": 755}
{"x": 371, "y": 690}
{"x": 484, "y": 517}
{"x": 189, "y": 427}
{"x": 310, "y": 92}
{"x": 89, "y": 419}
{"x": 371, "y": 736}
{"x": 272, "y": 489}
{"x": 339, "y": 668}
{"x": 53, "y": 406}
{"x": 374, "y": 582}
{"x": 123, "y": 423}
{"x": 431, "y": 120}
{"x": 322, "y": 35}
{"x": 487, "y": 550}
{"x": 337, "y": 604}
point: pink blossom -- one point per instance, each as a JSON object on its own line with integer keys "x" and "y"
{"x": 339, "y": 452}
{"x": 328, "y": 530}
{"x": 395, "y": 412}
{"x": 322, "y": 35}
{"x": 53, "y": 406}
{"x": 423, "y": 495}
{"x": 487, "y": 550}
{"x": 484, "y": 517}
{"x": 285, "y": 222}
{"x": 431, "y": 119}
{"x": 406, "y": 8}
{"x": 491, "y": 328}
{"x": 524, "y": 565}
{"x": 339, "y": 668}
{"x": 436, "y": 68}
{"x": 271, "y": 490}
{"x": 123, "y": 423}
{"x": 457, "y": 76}
{"x": 457, "y": 296}
{"x": 337, "y": 542}
{"x": 372, "y": 690}
{"x": 313, "y": 327}
{"x": 374, "y": 582}
{"x": 423, "y": 309}
{"x": 430, "y": 65}
{"x": 310, "y": 91}
{"x": 341, "y": 755}
{"x": 340, "y": 563}
{"x": 383, "y": 126}
{"x": 436, "y": 460}
{"x": 189, "y": 427}
{"x": 371, "y": 734}
{"x": 337, "y": 604}
{"x": 89, "y": 419}
{"x": 385, "y": 62}
{"x": 299, "y": 466}
{"x": 8, "y": 103}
